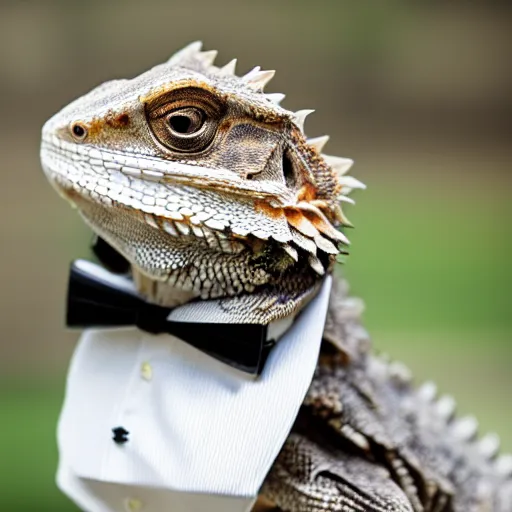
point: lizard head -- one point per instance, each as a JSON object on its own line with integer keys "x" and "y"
{"x": 200, "y": 179}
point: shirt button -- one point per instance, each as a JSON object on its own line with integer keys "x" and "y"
{"x": 146, "y": 372}
{"x": 132, "y": 505}
{"x": 120, "y": 435}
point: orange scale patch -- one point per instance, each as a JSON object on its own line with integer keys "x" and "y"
{"x": 111, "y": 119}
{"x": 298, "y": 220}
{"x": 269, "y": 211}
{"x": 306, "y": 193}
{"x": 325, "y": 227}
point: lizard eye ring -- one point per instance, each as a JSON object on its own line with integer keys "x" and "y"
{"x": 78, "y": 131}
{"x": 184, "y": 120}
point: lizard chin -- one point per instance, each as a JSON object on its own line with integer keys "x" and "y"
{"x": 188, "y": 243}
{"x": 175, "y": 261}
{"x": 171, "y": 268}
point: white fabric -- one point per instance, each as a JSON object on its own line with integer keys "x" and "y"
{"x": 95, "y": 496}
{"x": 202, "y": 435}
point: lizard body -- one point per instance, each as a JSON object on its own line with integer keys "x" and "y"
{"x": 377, "y": 443}
{"x": 212, "y": 192}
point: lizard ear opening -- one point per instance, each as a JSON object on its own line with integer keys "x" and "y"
{"x": 289, "y": 175}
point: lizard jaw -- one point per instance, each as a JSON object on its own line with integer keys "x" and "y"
{"x": 189, "y": 208}
{"x": 140, "y": 185}
{"x": 166, "y": 229}
{"x": 72, "y": 160}
{"x": 179, "y": 202}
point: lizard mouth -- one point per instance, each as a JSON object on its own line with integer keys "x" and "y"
{"x": 182, "y": 200}
{"x": 74, "y": 160}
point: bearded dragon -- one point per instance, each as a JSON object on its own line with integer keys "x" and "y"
{"x": 212, "y": 192}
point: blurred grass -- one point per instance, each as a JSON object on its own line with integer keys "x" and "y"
{"x": 433, "y": 256}
{"x": 29, "y": 414}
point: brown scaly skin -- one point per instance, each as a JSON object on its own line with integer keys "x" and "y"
{"x": 213, "y": 193}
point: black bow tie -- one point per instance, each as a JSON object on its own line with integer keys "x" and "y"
{"x": 99, "y": 298}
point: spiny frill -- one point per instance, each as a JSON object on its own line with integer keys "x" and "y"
{"x": 313, "y": 211}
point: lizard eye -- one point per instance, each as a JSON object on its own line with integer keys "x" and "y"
{"x": 184, "y": 120}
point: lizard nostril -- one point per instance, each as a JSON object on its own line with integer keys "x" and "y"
{"x": 78, "y": 131}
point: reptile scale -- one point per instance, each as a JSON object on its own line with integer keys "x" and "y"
{"x": 212, "y": 192}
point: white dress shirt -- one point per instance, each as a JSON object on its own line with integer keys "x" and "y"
{"x": 200, "y": 434}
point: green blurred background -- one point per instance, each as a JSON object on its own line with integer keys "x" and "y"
{"x": 419, "y": 94}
